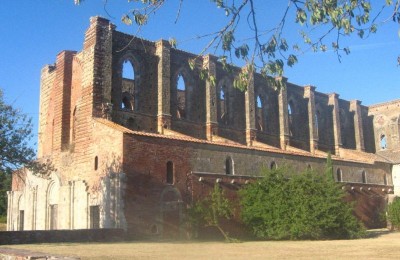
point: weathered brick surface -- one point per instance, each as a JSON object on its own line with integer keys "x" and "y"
{"x": 113, "y": 159}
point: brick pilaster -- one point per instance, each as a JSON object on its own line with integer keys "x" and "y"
{"x": 163, "y": 51}
{"x": 209, "y": 63}
{"x": 283, "y": 115}
{"x": 250, "y": 110}
{"x": 337, "y": 136}
{"x": 358, "y": 125}
{"x": 309, "y": 93}
{"x": 62, "y": 100}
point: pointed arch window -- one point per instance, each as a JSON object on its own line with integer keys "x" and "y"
{"x": 180, "y": 97}
{"x": 260, "y": 113}
{"x": 339, "y": 175}
{"x": 383, "y": 142}
{"x": 229, "y": 170}
{"x": 259, "y": 103}
{"x": 128, "y": 86}
{"x": 127, "y": 101}
{"x": 290, "y": 117}
{"x": 317, "y": 116}
{"x": 363, "y": 177}
{"x": 223, "y": 105}
{"x": 128, "y": 71}
{"x": 273, "y": 165}
{"x": 170, "y": 173}
{"x": 96, "y": 163}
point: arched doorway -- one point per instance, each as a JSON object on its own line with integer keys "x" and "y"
{"x": 52, "y": 205}
{"x": 171, "y": 213}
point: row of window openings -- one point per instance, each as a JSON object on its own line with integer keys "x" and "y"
{"x": 128, "y": 73}
{"x": 339, "y": 177}
{"x": 229, "y": 170}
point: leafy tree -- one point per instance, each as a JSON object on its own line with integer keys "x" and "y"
{"x": 15, "y": 133}
{"x": 329, "y": 167}
{"x": 265, "y": 205}
{"x": 209, "y": 211}
{"x": 393, "y": 213}
{"x": 266, "y": 47}
{"x": 15, "y": 151}
{"x": 306, "y": 206}
{"x": 5, "y": 184}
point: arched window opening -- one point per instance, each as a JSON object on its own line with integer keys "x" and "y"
{"x": 223, "y": 109}
{"x": 317, "y": 117}
{"x": 364, "y": 177}
{"x": 229, "y": 166}
{"x": 259, "y": 113}
{"x": 96, "y": 163}
{"x": 128, "y": 85}
{"x": 309, "y": 168}
{"x": 181, "y": 97}
{"x": 290, "y": 117}
{"x": 290, "y": 108}
{"x": 128, "y": 71}
{"x": 383, "y": 142}
{"x": 259, "y": 103}
{"x": 127, "y": 103}
{"x": 170, "y": 172}
{"x": 339, "y": 177}
{"x": 273, "y": 165}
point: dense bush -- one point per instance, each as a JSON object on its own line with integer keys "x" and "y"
{"x": 393, "y": 213}
{"x": 306, "y": 206}
{"x": 210, "y": 210}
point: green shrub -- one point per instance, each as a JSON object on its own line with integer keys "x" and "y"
{"x": 210, "y": 210}
{"x": 307, "y": 206}
{"x": 393, "y": 213}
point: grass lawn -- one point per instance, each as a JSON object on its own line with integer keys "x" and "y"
{"x": 3, "y": 226}
{"x": 385, "y": 246}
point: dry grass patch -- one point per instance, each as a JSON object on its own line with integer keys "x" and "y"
{"x": 3, "y": 226}
{"x": 383, "y": 247}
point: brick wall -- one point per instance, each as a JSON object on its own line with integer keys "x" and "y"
{"x": 145, "y": 160}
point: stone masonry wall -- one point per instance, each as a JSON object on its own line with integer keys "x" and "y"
{"x": 145, "y": 165}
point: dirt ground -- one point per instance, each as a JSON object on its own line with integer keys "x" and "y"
{"x": 383, "y": 246}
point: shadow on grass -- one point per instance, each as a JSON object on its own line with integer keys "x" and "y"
{"x": 375, "y": 233}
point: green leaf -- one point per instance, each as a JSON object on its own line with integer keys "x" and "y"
{"x": 292, "y": 59}
{"x": 301, "y": 16}
{"x": 126, "y": 20}
{"x": 227, "y": 40}
{"x": 192, "y": 63}
{"x": 140, "y": 19}
{"x": 373, "y": 28}
{"x": 283, "y": 46}
{"x": 361, "y": 33}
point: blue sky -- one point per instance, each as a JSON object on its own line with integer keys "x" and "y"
{"x": 33, "y": 32}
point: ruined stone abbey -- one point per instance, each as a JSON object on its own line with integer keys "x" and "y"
{"x": 133, "y": 151}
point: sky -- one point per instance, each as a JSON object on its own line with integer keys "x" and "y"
{"x": 34, "y": 32}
